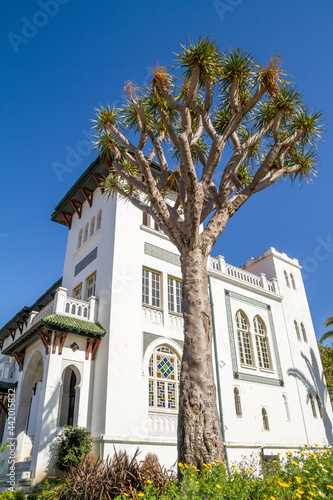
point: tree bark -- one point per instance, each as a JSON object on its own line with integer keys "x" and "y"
{"x": 199, "y": 428}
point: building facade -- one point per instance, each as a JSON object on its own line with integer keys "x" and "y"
{"x": 102, "y": 347}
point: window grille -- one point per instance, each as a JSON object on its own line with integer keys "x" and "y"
{"x": 91, "y": 285}
{"x": 244, "y": 339}
{"x": 262, "y": 344}
{"x": 151, "y": 288}
{"x": 163, "y": 380}
{"x": 174, "y": 295}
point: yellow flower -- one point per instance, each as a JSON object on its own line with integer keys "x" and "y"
{"x": 216, "y": 461}
{"x": 295, "y": 463}
{"x": 197, "y": 482}
{"x": 278, "y": 453}
{"x": 312, "y": 494}
{"x": 148, "y": 481}
{"x": 312, "y": 478}
{"x": 302, "y": 453}
{"x": 180, "y": 464}
{"x": 237, "y": 472}
{"x": 298, "y": 479}
{"x": 141, "y": 494}
{"x": 298, "y": 495}
{"x": 185, "y": 465}
{"x": 274, "y": 461}
{"x": 273, "y": 498}
{"x": 233, "y": 465}
{"x": 249, "y": 470}
{"x": 284, "y": 485}
{"x": 325, "y": 451}
{"x": 316, "y": 444}
{"x": 218, "y": 486}
{"x": 329, "y": 486}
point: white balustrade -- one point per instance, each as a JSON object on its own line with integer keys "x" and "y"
{"x": 176, "y": 321}
{"x": 260, "y": 281}
{"x": 162, "y": 424}
{"x": 152, "y": 315}
{"x": 67, "y": 306}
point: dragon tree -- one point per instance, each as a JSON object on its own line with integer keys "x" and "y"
{"x": 216, "y": 111}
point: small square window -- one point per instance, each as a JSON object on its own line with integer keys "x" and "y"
{"x": 74, "y": 346}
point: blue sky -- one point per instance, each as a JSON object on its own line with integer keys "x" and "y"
{"x": 62, "y": 58}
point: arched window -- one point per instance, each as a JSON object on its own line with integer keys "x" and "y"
{"x": 164, "y": 373}
{"x": 304, "y": 332}
{"x": 79, "y": 240}
{"x": 86, "y": 230}
{"x": 292, "y": 279}
{"x": 313, "y": 406}
{"x": 92, "y": 226}
{"x": 286, "y": 278}
{"x": 238, "y": 405}
{"x": 244, "y": 339}
{"x": 320, "y": 407}
{"x": 265, "y": 419}
{"x": 262, "y": 343}
{"x": 286, "y": 406}
{"x": 297, "y": 330}
{"x": 99, "y": 219}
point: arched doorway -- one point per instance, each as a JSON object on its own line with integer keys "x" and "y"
{"x": 69, "y": 397}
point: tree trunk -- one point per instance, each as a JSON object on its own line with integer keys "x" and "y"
{"x": 199, "y": 428}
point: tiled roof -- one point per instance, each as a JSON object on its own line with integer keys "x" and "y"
{"x": 73, "y": 323}
{"x": 55, "y": 322}
{"x": 4, "y": 386}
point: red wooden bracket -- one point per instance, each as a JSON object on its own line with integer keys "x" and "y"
{"x": 98, "y": 178}
{"x": 67, "y": 219}
{"x": 62, "y": 342}
{"x": 19, "y": 356}
{"x": 88, "y": 195}
{"x": 90, "y": 343}
{"x": 92, "y": 346}
{"x": 40, "y": 307}
{"x": 55, "y": 341}
{"x": 77, "y": 207}
{"x": 20, "y": 326}
{"x": 46, "y": 338}
{"x": 12, "y": 333}
{"x": 52, "y": 295}
{"x": 96, "y": 344}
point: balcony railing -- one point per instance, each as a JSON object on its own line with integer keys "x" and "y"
{"x": 67, "y": 306}
{"x": 256, "y": 280}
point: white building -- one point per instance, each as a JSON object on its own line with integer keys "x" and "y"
{"x": 102, "y": 347}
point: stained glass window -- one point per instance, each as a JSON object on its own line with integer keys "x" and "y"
{"x": 262, "y": 343}
{"x": 163, "y": 383}
{"x": 244, "y": 340}
{"x": 151, "y": 288}
{"x": 174, "y": 295}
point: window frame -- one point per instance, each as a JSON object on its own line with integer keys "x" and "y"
{"x": 240, "y": 340}
{"x": 298, "y": 333}
{"x": 265, "y": 420}
{"x": 259, "y": 345}
{"x": 174, "y": 296}
{"x": 238, "y": 403}
{"x": 92, "y": 275}
{"x": 153, "y": 380}
{"x": 286, "y": 277}
{"x": 78, "y": 287}
{"x": 305, "y": 337}
{"x": 150, "y": 288}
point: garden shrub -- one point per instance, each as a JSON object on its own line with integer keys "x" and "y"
{"x": 71, "y": 446}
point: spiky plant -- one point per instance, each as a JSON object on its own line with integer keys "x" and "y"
{"x": 212, "y": 104}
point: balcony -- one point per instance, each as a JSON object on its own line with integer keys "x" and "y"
{"x": 67, "y": 306}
